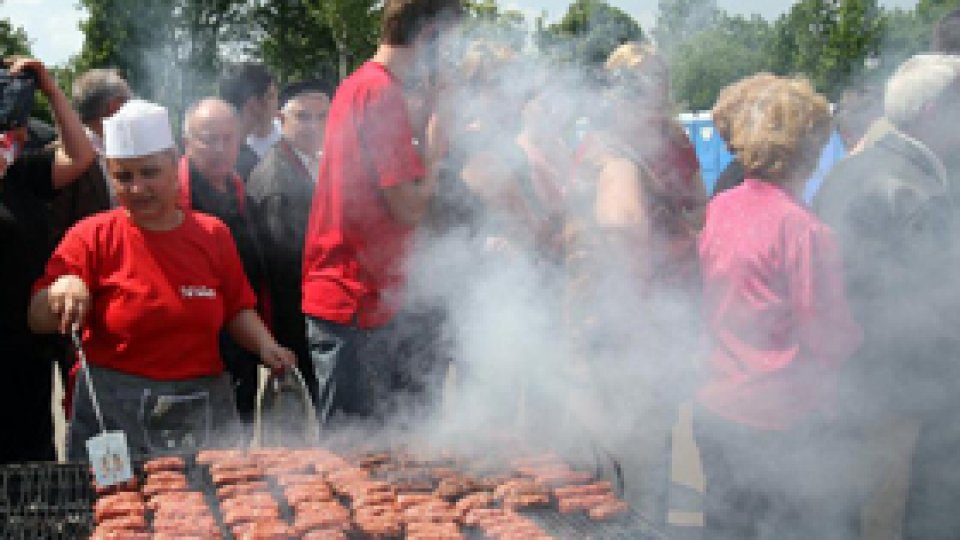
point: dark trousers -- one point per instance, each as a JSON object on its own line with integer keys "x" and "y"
{"x": 376, "y": 374}
{"x": 931, "y": 511}
{"x": 772, "y": 484}
{"x": 25, "y": 395}
{"x": 242, "y": 366}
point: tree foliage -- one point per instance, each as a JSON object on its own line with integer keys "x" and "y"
{"x": 354, "y": 25}
{"x": 487, "y": 20}
{"x": 13, "y": 39}
{"x": 828, "y": 41}
{"x": 589, "y": 31}
{"x": 294, "y": 40}
{"x": 679, "y": 21}
{"x": 170, "y": 51}
{"x": 834, "y": 43}
{"x": 733, "y": 48}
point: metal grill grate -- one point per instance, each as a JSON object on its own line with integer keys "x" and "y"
{"x": 45, "y": 501}
{"x": 54, "y": 501}
{"x": 578, "y": 526}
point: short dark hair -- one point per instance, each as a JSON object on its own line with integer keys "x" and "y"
{"x": 245, "y": 80}
{"x": 403, "y": 19}
{"x": 946, "y": 33}
{"x": 295, "y": 89}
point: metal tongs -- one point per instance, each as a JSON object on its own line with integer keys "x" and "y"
{"x": 84, "y": 368}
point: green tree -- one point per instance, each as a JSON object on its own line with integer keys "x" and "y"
{"x": 486, "y": 19}
{"x": 354, "y": 26}
{"x": 702, "y": 65}
{"x": 678, "y": 21}
{"x": 169, "y": 50}
{"x": 13, "y": 39}
{"x": 293, "y": 40}
{"x": 589, "y": 32}
{"x": 929, "y": 11}
{"x": 829, "y": 41}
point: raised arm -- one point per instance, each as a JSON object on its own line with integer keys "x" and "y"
{"x": 76, "y": 153}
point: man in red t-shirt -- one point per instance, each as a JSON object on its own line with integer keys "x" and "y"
{"x": 373, "y": 188}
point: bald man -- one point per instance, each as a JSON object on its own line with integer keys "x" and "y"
{"x": 210, "y": 184}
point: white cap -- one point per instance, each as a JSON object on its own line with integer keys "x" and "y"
{"x": 138, "y": 129}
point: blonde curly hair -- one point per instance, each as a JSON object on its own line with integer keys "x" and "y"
{"x": 776, "y": 126}
{"x": 729, "y": 102}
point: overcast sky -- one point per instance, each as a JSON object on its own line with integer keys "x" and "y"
{"x": 52, "y": 24}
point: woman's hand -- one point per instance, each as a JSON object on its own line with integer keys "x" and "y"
{"x": 276, "y": 357}
{"x": 69, "y": 300}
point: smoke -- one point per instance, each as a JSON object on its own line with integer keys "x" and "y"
{"x": 545, "y": 353}
{"x": 553, "y": 340}
{"x": 577, "y": 355}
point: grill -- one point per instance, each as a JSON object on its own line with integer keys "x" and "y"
{"x": 631, "y": 526}
{"x": 54, "y": 501}
{"x": 45, "y": 501}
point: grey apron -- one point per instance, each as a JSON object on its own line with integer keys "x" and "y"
{"x": 158, "y": 417}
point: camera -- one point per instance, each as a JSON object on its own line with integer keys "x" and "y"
{"x": 16, "y": 98}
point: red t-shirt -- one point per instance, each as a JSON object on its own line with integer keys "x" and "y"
{"x": 159, "y": 298}
{"x": 354, "y": 252}
{"x": 775, "y": 306}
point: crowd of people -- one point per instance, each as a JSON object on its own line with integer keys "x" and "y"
{"x": 815, "y": 333}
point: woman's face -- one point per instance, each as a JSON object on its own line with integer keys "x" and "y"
{"x": 146, "y": 186}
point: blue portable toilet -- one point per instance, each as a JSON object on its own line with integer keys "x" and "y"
{"x": 710, "y": 147}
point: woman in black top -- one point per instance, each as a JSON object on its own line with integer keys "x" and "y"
{"x": 27, "y": 182}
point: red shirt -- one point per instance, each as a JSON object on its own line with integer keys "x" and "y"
{"x": 354, "y": 250}
{"x": 159, "y": 298}
{"x": 775, "y": 306}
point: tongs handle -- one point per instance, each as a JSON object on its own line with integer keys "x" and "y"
{"x": 78, "y": 344}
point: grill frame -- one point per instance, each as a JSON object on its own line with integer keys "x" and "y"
{"x": 46, "y": 501}
{"x": 54, "y": 501}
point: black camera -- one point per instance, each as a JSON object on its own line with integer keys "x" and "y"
{"x": 16, "y": 98}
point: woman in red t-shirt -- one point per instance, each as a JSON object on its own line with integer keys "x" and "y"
{"x": 780, "y": 328}
{"x": 153, "y": 284}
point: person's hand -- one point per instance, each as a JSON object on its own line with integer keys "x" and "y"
{"x": 22, "y": 64}
{"x": 70, "y": 300}
{"x": 437, "y": 141}
{"x": 276, "y": 357}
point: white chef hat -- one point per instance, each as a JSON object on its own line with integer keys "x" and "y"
{"x": 139, "y": 128}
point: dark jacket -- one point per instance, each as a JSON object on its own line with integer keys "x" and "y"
{"x": 86, "y": 196}
{"x": 280, "y": 190}
{"x": 232, "y": 208}
{"x": 890, "y": 208}
{"x": 247, "y": 160}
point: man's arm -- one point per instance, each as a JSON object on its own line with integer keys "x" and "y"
{"x": 75, "y": 155}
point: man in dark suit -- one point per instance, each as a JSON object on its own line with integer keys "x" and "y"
{"x": 280, "y": 190}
